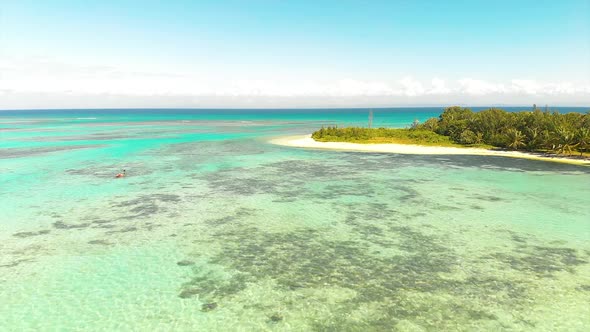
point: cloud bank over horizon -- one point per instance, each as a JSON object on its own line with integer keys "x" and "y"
{"x": 42, "y": 83}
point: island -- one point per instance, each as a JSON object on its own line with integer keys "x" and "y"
{"x": 536, "y": 134}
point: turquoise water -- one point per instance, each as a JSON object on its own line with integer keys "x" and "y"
{"x": 214, "y": 228}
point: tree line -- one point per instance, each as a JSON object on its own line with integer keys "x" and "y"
{"x": 532, "y": 131}
{"x": 527, "y": 130}
{"x": 380, "y": 135}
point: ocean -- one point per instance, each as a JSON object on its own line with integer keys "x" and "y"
{"x": 214, "y": 228}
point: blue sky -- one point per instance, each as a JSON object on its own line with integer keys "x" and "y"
{"x": 293, "y": 53}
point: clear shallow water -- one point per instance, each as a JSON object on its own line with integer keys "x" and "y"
{"x": 216, "y": 229}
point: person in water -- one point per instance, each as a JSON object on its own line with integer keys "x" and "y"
{"x": 120, "y": 175}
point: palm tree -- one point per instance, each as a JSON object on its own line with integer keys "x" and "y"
{"x": 478, "y": 138}
{"x": 548, "y": 140}
{"x": 583, "y": 139}
{"x": 515, "y": 138}
{"x": 566, "y": 141}
{"x": 534, "y": 138}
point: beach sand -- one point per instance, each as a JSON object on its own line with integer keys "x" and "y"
{"x": 305, "y": 141}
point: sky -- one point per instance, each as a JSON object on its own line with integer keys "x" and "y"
{"x": 101, "y": 53}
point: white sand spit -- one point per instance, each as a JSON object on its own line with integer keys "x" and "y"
{"x": 305, "y": 141}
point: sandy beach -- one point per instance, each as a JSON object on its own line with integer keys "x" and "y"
{"x": 305, "y": 141}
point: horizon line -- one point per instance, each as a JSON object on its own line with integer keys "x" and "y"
{"x": 540, "y": 107}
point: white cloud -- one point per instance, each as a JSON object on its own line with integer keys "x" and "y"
{"x": 532, "y": 87}
{"x": 479, "y": 87}
{"x": 527, "y": 86}
{"x": 439, "y": 87}
{"x": 410, "y": 87}
{"x": 351, "y": 87}
{"x": 53, "y": 81}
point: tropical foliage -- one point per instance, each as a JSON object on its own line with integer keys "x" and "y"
{"x": 528, "y": 130}
{"x": 381, "y": 135}
{"x": 532, "y": 131}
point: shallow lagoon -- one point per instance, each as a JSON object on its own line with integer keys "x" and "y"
{"x": 214, "y": 228}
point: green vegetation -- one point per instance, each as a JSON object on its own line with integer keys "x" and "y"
{"x": 382, "y": 135}
{"x": 456, "y": 126}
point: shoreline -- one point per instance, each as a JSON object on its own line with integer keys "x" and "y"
{"x": 305, "y": 141}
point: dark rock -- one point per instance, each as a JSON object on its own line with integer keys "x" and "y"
{"x": 209, "y": 306}
{"x": 63, "y": 225}
{"x": 188, "y": 293}
{"x": 29, "y": 234}
{"x": 276, "y": 318}
{"x": 99, "y": 242}
{"x": 185, "y": 263}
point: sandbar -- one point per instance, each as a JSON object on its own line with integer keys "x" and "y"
{"x": 306, "y": 141}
